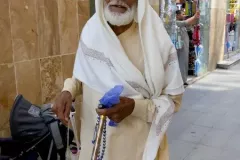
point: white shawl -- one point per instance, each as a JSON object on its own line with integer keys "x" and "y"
{"x": 101, "y": 63}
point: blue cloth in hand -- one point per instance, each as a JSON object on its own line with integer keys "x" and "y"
{"x": 112, "y": 98}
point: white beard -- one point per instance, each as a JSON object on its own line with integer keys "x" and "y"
{"x": 120, "y": 19}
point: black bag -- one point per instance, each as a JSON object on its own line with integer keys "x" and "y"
{"x": 37, "y": 130}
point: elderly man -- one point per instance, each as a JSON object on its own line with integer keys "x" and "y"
{"x": 125, "y": 43}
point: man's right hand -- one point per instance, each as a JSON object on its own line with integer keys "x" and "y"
{"x": 62, "y": 106}
{"x": 197, "y": 14}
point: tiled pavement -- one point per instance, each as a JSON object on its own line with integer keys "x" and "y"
{"x": 208, "y": 125}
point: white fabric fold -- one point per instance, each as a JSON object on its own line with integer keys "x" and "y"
{"x": 163, "y": 116}
{"x": 101, "y": 63}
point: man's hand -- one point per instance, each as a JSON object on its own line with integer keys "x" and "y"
{"x": 62, "y": 106}
{"x": 120, "y": 111}
{"x": 193, "y": 20}
{"x": 197, "y": 14}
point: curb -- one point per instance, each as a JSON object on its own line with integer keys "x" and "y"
{"x": 192, "y": 81}
{"x": 228, "y": 63}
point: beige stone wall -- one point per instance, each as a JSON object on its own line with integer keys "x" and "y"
{"x": 217, "y": 32}
{"x": 38, "y": 42}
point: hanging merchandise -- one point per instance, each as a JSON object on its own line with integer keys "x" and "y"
{"x": 228, "y": 45}
{"x": 196, "y": 35}
{"x": 186, "y": 8}
{"x": 189, "y": 8}
{"x": 192, "y": 58}
{"x": 194, "y": 8}
{"x": 198, "y": 47}
{"x": 231, "y": 40}
{"x": 179, "y": 42}
{"x": 199, "y": 38}
{"x": 197, "y": 63}
{"x": 168, "y": 15}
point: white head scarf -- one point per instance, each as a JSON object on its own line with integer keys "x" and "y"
{"x": 158, "y": 48}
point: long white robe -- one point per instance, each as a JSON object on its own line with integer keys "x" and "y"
{"x": 123, "y": 143}
{"x": 102, "y": 62}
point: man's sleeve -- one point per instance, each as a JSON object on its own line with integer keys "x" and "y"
{"x": 73, "y": 86}
{"x": 181, "y": 24}
{"x": 177, "y": 101}
{"x": 144, "y": 109}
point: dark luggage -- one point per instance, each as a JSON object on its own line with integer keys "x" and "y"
{"x": 36, "y": 134}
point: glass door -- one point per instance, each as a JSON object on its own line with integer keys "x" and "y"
{"x": 204, "y": 22}
{"x": 232, "y": 27}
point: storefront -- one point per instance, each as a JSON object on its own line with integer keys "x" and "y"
{"x": 199, "y": 47}
{"x": 232, "y": 33}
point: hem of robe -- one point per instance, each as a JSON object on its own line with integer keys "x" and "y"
{"x": 163, "y": 152}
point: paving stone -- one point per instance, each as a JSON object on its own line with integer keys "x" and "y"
{"x": 204, "y": 153}
{"x": 229, "y": 155}
{"x": 208, "y": 120}
{"x": 216, "y": 138}
{"x": 226, "y": 123}
{"x": 234, "y": 142}
{"x": 181, "y": 149}
{"x": 194, "y": 133}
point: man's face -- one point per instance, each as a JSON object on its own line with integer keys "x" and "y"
{"x": 181, "y": 16}
{"x": 120, "y": 6}
{"x": 120, "y": 12}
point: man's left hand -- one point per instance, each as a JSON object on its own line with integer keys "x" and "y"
{"x": 120, "y": 111}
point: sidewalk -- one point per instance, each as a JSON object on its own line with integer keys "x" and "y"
{"x": 208, "y": 125}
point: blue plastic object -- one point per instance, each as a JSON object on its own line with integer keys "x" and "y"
{"x": 110, "y": 99}
{"x": 228, "y": 45}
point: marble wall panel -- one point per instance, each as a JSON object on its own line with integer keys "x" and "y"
{"x": 6, "y": 53}
{"x": 38, "y": 41}
{"x": 82, "y": 20}
{"x": 83, "y": 8}
{"x": 83, "y": 13}
{"x": 68, "y": 63}
{"x": 7, "y": 85}
{"x": 49, "y": 28}
{"x": 68, "y": 24}
{"x": 51, "y": 77}
{"x": 218, "y": 18}
{"x": 4, "y": 122}
{"x": 24, "y": 29}
{"x": 28, "y": 80}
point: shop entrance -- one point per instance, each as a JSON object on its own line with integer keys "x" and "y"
{"x": 232, "y": 33}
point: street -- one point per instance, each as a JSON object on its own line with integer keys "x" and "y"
{"x": 208, "y": 124}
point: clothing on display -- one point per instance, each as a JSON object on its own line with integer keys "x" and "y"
{"x": 168, "y": 15}
{"x": 232, "y": 42}
{"x": 198, "y": 34}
